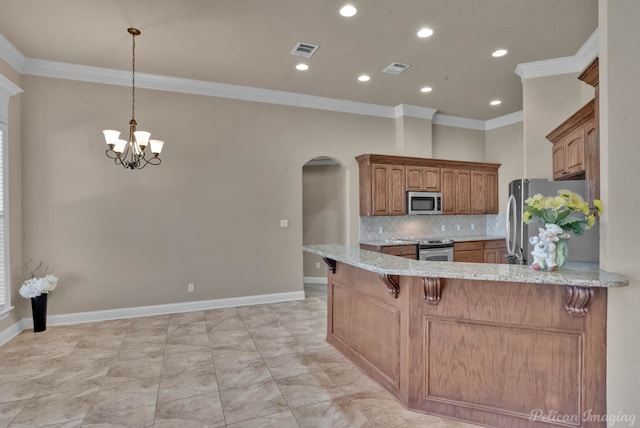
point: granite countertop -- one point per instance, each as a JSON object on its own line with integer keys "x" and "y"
{"x": 579, "y": 274}
{"x": 392, "y": 242}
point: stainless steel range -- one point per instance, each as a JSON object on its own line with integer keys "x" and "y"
{"x": 435, "y": 249}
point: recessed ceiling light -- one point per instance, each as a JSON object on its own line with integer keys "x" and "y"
{"x": 364, "y": 78}
{"x": 348, "y": 11}
{"x": 495, "y": 102}
{"x": 426, "y": 89}
{"x": 499, "y": 53}
{"x": 425, "y": 32}
{"x": 302, "y": 67}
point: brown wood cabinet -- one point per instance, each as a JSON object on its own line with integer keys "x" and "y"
{"x": 384, "y": 181}
{"x": 471, "y": 252}
{"x": 576, "y": 152}
{"x": 490, "y": 192}
{"x": 406, "y": 251}
{"x": 384, "y": 187}
{"x": 492, "y": 251}
{"x": 495, "y": 251}
{"x": 456, "y": 191}
{"x": 423, "y": 179}
{"x": 569, "y": 144}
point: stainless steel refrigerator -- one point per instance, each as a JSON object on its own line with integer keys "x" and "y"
{"x": 583, "y": 248}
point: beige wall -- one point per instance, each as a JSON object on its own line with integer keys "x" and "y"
{"x": 505, "y": 146}
{"x": 323, "y": 212}
{"x": 209, "y": 215}
{"x": 414, "y": 137}
{"x": 620, "y": 192}
{"x": 546, "y": 103}
{"x": 458, "y": 143}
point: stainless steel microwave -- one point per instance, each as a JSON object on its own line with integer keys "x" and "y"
{"x": 424, "y": 203}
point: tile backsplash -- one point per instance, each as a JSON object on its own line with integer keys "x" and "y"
{"x": 426, "y": 226}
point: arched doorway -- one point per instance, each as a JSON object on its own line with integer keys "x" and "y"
{"x": 323, "y": 216}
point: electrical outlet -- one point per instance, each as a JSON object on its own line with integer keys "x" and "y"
{"x": 473, "y": 226}
{"x": 318, "y": 265}
{"x": 380, "y": 229}
{"x": 443, "y": 228}
{"x": 457, "y": 227}
{"x": 191, "y": 288}
{"x": 284, "y": 223}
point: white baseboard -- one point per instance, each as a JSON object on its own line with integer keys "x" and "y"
{"x": 12, "y": 331}
{"x": 143, "y": 311}
{"x": 315, "y": 280}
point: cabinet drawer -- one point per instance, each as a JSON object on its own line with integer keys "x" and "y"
{"x": 470, "y": 256}
{"x": 401, "y": 250}
{"x": 498, "y": 243}
{"x": 473, "y": 245}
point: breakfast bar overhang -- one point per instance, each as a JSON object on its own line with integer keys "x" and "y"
{"x": 496, "y": 345}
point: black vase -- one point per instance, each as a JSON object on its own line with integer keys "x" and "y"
{"x": 39, "y": 309}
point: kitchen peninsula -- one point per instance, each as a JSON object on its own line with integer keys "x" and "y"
{"x": 485, "y": 343}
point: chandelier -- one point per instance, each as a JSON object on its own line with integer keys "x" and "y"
{"x": 131, "y": 153}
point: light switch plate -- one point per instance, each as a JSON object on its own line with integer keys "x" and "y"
{"x": 284, "y": 223}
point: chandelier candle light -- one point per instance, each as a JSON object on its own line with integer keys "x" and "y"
{"x": 131, "y": 153}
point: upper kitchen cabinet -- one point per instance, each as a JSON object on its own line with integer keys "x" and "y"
{"x": 423, "y": 179}
{"x": 576, "y": 151}
{"x": 466, "y": 187}
{"x": 484, "y": 192}
{"x": 382, "y": 190}
{"x": 456, "y": 191}
{"x": 569, "y": 143}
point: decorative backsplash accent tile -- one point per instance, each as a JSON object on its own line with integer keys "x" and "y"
{"x": 430, "y": 226}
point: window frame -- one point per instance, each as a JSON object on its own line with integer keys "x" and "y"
{"x": 7, "y": 90}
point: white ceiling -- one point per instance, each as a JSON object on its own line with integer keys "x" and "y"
{"x": 248, "y": 42}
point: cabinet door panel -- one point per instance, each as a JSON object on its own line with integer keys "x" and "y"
{"x": 491, "y": 192}
{"x": 574, "y": 151}
{"x": 414, "y": 178}
{"x": 463, "y": 191}
{"x": 431, "y": 179}
{"x": 397, "y": 194}
{"x": 558, "y": 160}
{"x": 477, "y": 192}
{"x": 380, "y": 190}
{"x": 448, "y": 182}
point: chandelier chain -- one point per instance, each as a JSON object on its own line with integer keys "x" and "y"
{"x": 133, "y": 78}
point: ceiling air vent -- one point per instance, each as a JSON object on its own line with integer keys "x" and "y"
{"x": 395, "y": 68}
{"x": 304, "y": 49}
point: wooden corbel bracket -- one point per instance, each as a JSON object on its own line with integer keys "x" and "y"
{"x": 577, "y": 300}
{"x": 432, "y": 290}
{"x": 392, "y": 282}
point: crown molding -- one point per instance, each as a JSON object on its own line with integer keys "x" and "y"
{"x": 66, "y": 71}
{"x": 59, "y": 70}
{"x": 564, "y": 65}
{"x": 458, "y": 122}
{"x": 408, "y": 110}
{"x": 7, "y": 90}
{"x": 506, "y": 120}
{"x": 589, "y": 50}
{"x": 10, "y": 54}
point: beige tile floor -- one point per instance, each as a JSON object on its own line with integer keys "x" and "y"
{"x": 252, "y": 366}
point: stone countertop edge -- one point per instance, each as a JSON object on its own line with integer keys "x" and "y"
{"x": 576, "y": 274}
{"x": 409, "y": 241}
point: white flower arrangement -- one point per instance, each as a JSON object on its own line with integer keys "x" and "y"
{"x": 35, "y": 286}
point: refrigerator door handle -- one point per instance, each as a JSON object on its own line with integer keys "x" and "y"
{"x": 511, "y": 227}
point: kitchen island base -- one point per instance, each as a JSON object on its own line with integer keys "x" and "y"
{"x": 494, "y": 353}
